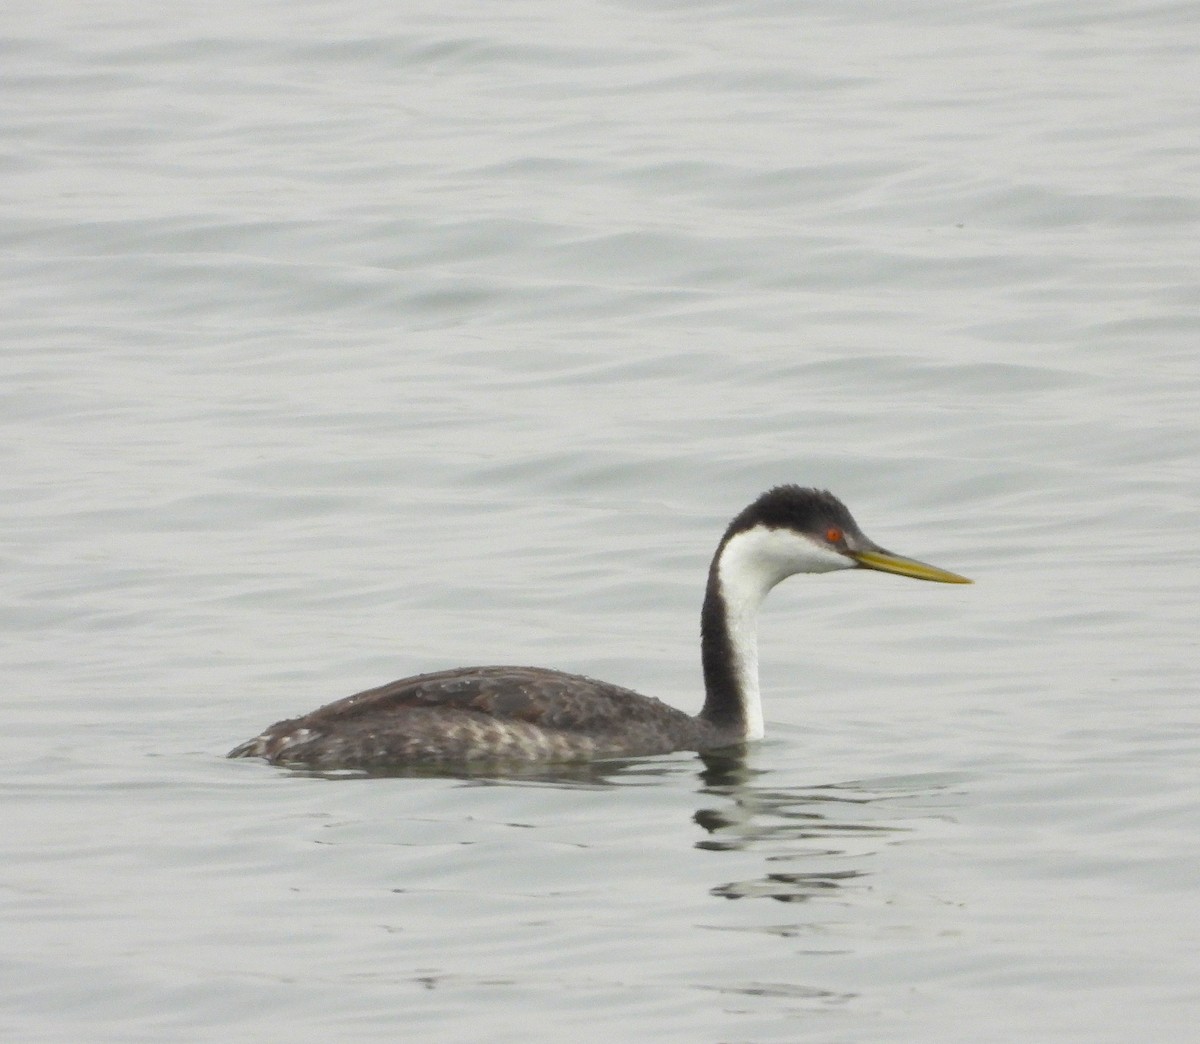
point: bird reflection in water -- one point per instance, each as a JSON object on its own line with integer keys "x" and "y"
{"x": 840, "y": 825}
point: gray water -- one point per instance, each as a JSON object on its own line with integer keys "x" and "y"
{"x": 340, "y": 342}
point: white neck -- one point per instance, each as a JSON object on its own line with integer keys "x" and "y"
{"x": 750, "y": 564}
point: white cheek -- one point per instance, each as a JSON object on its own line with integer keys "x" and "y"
{"x": 759, "y": 558}
{"x": 807, "y": 556}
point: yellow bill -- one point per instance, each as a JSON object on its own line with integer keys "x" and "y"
{"x": 886, "y": 562}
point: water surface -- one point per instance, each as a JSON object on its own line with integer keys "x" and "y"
{"x": 342, "y": 343}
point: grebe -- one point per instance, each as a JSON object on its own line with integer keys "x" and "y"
{"x": 495, "y": 715}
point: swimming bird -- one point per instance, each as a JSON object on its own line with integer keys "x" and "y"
{"x": 473, "y": 716}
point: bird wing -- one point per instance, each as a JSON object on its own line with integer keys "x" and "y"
{"x": 535, "y": 695}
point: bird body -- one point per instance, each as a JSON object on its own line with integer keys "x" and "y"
{"x": 497, "y": 715}
{"x": 492, "y": 714}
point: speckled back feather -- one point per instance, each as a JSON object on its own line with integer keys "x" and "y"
{"x": 483, "y": 714}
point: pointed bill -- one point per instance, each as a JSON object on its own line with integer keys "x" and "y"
{"x": 886, "y": 562}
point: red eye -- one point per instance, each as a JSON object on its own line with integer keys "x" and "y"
{"x": 833, "y": 535}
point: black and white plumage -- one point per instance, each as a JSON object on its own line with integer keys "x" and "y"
{"x": 474, "y": 716}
